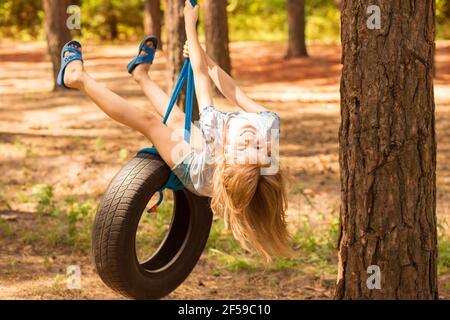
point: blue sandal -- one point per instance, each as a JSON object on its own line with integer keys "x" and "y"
{"x": 66, "y": 60}
{"x": 144, "y": 59}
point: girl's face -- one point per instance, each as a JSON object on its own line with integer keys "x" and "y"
{"x": 243, "y": 143}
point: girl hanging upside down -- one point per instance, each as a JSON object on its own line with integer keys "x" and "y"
{"x": 232, "y": 157}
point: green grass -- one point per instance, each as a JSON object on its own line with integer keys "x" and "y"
{"x": 100, "y": 144}
{"x": 153, "y": 228}
{"x": 58, "y": 223}
{"x": 124, "y": 154}
{"x": 27, "y": 150}
{"x": 313, "y": 247}
{"x": 18, "y": 149}
{"x": 68, "y": 223}
{"x": 42, "y": 194}
{"x": 221, "y": 240}
{"x": 234, "y": 261}
{"x": 221, "y": 246}
{"x": 6, "y": 229}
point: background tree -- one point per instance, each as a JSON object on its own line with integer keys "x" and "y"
{"x": 20, "y": 16}
{"x": 446, "y": 9}
{"x": 216, "y": 32}
{"x": 110, "y": 19}
{"x": 296, "y": 25}
{"x": 56, "y": 30}
{"x": 153, "y": 17}
{"x": 388, "y": 152}
{"x": 176, "y": 37}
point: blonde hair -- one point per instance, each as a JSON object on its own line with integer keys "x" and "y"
{"x": 253, "y": 207}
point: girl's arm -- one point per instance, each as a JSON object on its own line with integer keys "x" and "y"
{"x": 226, "y": 84}
{"x": 202, "y": 83}
{"x": 229, "y": 88}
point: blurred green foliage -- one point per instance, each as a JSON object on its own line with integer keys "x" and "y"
{"x": 99, "y": 18}
{"x": 248, "y": 19}
{"x": 267, "y": 20}
{"x": 443, "y": 19}
{"x": 257, "y": 20}
{"x": 21, "y": 19}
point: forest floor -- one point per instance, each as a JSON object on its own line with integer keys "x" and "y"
{"x": 62, "y": 140}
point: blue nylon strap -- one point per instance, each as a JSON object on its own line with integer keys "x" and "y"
{"x": 173, "y": 182}
{"x": 190, "y": 100}
{"x": 186, "y": 73}
{"x": 177, "y": 90}
{"x": 189, "y": 105}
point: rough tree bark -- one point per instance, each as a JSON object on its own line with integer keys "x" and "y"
{"x": 153, "y": 17}
{"x": 216, "y": 32}
{"x": 388, "y": 152}
{"x": 296, "y": 22}
{"x": 57, "y": 32}
{"x": 176, "y": 37}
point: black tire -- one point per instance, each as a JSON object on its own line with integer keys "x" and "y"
{"x": 115, "y": 227}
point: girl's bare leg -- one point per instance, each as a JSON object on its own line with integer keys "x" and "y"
{"x": 170, "y": 145}
{"x": 160, "y": 101}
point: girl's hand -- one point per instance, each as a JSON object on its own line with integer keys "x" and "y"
{"x": 186, "y": 50}
{"x": 190, "y": 14}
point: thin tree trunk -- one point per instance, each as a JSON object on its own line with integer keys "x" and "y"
{"x": 57, "y": 32}
{"x": 296, "y": 22}
{"x": 388, "y": 152}
{"x": 153, "y": 17}
{"x": 176, "y": 37}
{"x": 216, "y": 32}
{"x": 447, "y": 9}
{"x": 111, "y": 20}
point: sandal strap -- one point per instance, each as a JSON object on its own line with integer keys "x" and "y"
{"x": 77, "y": 55}
{"x": 71, "y": 58}
{"x": 67, "y": 48}
{"x": 73, "y": 50}
{"x": 73, "y": 43}
{"x": 140, "y": 58}
{"x": 147, "y": 49}
{"x": 149, "y": 38}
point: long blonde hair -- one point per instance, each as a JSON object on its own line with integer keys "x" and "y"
{"x": 253, "y": 207}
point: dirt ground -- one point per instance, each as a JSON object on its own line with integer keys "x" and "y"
{"x": 62, "y": 130}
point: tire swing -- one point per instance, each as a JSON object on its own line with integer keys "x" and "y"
{"x": 123, "y": 205}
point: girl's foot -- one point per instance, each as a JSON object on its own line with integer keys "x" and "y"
{"x": 141, "y": 71}
{"x": 73, "y": 74}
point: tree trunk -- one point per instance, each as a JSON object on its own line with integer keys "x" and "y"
{"x": 176, "y": 37}
{"x": 153, "y": 19}
{"x": 388, "y": 152}
{"x": 113, "y": 31}
{"x": 447, "y": 9}
{"x": 216, "y": 32}
{"x": 57, "y": 32}
{"x": 296, "y": 22}
{"x": 111, "y": 20}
